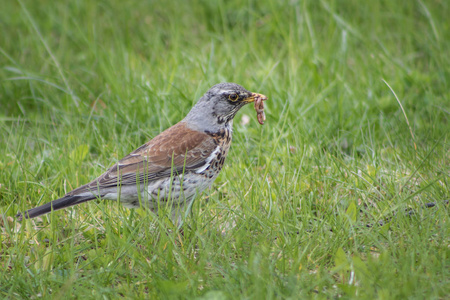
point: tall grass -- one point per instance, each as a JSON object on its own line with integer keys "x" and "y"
{"x": 326, "y": 200}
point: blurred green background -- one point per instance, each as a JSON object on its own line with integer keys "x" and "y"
{"x": 356, "y": 133}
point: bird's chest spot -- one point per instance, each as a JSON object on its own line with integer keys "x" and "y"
{"x": 217, "y": 163}
{"x": 223, "y": 141}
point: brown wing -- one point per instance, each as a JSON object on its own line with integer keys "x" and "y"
{"x": 176, "y": 150}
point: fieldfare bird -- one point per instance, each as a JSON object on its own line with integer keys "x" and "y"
{"x": 176, "y": 165}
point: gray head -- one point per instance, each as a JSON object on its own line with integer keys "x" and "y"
{"x": 218, "y": 106}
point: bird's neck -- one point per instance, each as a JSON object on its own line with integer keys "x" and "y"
{"x": 211, "y": 129}
{"x": 208, "y": 123}
{"x": 224, "y": 134}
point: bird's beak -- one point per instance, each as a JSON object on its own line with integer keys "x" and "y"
{"x": 255, "y": 96}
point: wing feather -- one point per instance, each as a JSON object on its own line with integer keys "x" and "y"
{"x": 176, "y": 150}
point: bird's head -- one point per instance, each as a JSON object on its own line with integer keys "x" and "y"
{"x": 218, "y": 106}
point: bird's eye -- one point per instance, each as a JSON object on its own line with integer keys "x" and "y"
{"x": 233, "y": 97}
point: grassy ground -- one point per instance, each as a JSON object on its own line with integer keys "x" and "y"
{"x": 325, "y": 200}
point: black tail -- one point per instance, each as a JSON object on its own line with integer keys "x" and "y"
{"x": 61, "y": 203}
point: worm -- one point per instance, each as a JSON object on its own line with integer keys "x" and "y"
{"x": 259, "y": 107}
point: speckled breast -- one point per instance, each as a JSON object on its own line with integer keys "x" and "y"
{"x": 223, "y": 140}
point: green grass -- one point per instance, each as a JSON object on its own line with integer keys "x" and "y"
{"x": 83, "y": 83}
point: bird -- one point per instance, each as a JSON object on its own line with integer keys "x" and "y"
{"x": 174, "y": 167}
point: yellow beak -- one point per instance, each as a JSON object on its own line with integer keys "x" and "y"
{"x": 255, "y": 96}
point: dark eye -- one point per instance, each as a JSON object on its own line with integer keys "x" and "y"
{"x": 233, "y": 97}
